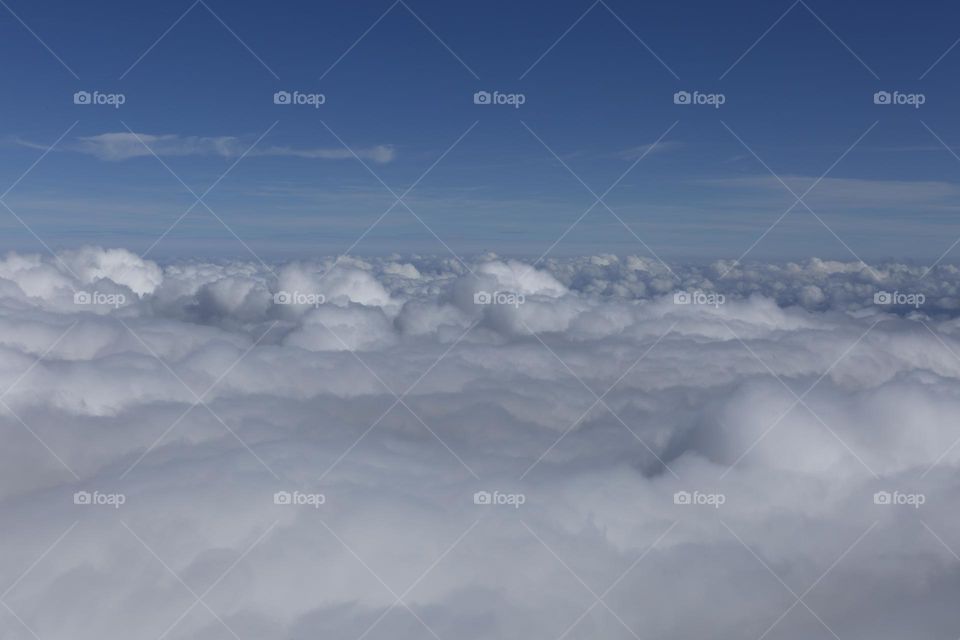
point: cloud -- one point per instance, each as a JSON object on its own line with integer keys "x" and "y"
{"x": 119, "y": 146}
{"x": 645, "y": 149}
{"x": 853, "y": 192}
{"x": 397, "y": 393}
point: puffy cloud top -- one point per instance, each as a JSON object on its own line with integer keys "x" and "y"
{"x": 408, "y": 447}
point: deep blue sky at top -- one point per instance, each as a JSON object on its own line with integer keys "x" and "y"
{"x": 799, "y": 99}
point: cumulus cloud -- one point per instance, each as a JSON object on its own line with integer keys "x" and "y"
{"x": 124, "y": 145}
{"x": 407, "y": 447}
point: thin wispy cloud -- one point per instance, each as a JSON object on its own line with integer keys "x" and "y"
{"x": 663, "y": 146}
{"x": 124, "y": 145}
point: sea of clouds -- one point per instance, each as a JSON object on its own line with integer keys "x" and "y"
{"x": 416, "y": 447}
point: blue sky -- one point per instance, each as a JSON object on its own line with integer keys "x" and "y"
{"x": 198, "y": 80}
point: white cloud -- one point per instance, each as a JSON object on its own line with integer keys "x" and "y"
{"x": 124, "y": 145}
{"x": 491, "y": 400}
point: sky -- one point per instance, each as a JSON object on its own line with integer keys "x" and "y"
{"x": 597, "y": 320}
{"x": 398, "y": 80}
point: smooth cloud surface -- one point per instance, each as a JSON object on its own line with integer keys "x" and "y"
{"x": 576, "y": 392}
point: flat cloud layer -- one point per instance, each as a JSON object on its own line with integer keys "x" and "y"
{"x": 708, "y": 452}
